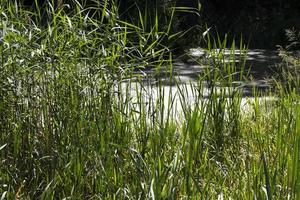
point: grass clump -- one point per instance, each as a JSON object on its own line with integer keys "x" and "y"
{"x": 70, "y": 127}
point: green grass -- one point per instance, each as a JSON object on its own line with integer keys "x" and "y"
{"x": 69, "y": 129}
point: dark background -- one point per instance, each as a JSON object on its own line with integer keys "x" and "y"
{"x": 261, "y": 23}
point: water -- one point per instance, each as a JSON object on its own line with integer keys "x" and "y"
{"x": 260, "y": 65}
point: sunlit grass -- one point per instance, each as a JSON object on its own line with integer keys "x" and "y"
{"x": 70, "y": 127}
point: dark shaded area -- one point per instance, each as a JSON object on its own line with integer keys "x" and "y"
{"x": 261, "y": 23}
{"x": 142, "y": 13}
{"x": 184, "y": 16}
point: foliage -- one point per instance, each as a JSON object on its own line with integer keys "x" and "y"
{"x": 72, "y": 127}
{"x": 288, "y": 71}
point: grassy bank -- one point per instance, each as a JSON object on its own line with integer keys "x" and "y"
{"x": 70, "y": 130}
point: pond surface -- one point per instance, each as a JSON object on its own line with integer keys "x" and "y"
{"x": 260, "y": 65}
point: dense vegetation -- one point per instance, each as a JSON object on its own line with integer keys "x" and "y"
{"x": 71, "y": 127}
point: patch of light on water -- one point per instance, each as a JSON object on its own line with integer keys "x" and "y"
{"x": 176, "y": 94}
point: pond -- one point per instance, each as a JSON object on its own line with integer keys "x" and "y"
{"x": 260, "y": 65}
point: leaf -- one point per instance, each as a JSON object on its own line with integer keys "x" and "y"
{"x": 205, "y": 32}
{"x": 3, "y": 146}
{"x": 3, "y": 195}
